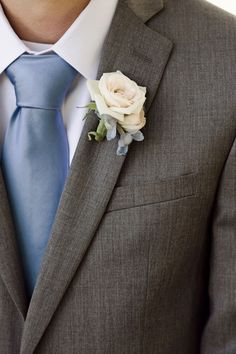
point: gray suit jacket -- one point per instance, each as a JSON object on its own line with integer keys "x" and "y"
{"x": 142, "y": 256}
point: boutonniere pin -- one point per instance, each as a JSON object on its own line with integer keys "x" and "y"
{"x": 119, "y": 105}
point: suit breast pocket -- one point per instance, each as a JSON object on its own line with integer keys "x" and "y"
{"x": 125, "y": 197}
{"x": 152, "y": 234}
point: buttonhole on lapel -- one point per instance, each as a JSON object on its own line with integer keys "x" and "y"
{"x": 142, "y": 56}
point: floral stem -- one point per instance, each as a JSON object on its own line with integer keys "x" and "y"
{"x": 100, "y": 133}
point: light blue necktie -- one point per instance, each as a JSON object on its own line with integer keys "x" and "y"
{"x": 35, "y": 156}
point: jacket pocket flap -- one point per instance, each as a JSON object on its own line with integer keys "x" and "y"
{"x": 162, "y": 191}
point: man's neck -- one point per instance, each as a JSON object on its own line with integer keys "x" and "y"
{"x": 42, "y": 21}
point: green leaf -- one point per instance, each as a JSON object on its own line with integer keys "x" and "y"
{"x": 92, "y": 106}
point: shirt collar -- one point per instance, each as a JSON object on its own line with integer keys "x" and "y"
{"x": 12, "y": 46}
{"x": 80, "y": 46}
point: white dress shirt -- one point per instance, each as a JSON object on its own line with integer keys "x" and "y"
{"x": 80, "y": 46}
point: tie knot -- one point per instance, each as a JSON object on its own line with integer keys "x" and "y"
{"x": 40, "y": 81}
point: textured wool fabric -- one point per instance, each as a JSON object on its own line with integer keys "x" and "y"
{"x": 142, "y": 256}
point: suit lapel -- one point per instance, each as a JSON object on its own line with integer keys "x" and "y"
{"x": 10, "y": 267}
{"x": 145, "y": 9}
{"x": 94, "y": 172}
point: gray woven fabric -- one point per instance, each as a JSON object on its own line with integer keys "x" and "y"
{"x": 142, "y": 256}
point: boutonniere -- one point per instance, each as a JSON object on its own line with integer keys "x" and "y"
{"x": 119, "y": 105}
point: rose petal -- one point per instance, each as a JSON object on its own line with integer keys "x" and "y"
{"x": 103, "y": 109}
{"x": 121, "y": 94}
{"x": 135, "y": 108}
{"x": 134, "y": 122}
{"x": 93, "y": 88}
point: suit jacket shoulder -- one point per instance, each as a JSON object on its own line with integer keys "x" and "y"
{"x": 203, "y": 59}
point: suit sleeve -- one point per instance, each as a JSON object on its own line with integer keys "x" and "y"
{"x": 219, "y": 335}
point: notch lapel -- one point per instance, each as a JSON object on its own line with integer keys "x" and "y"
{"x": 10, "y": 267}
{"x": 94, "y": 172}
{"x": 145, "y": 9}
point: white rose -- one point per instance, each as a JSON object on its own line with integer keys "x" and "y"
{"x": 133, "y": 122}
{"x": 117, "y": 96}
